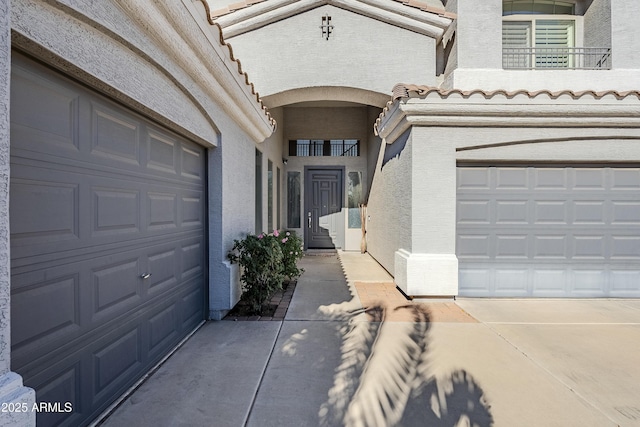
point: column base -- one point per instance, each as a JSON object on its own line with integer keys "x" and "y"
{"x": 18, "y": 400}
{"x": 432, "y": 275}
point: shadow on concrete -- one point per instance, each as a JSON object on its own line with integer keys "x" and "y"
{"x": 384, "y": 379}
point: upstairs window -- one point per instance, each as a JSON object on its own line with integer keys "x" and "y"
{"x": 547, "y": 34}
{"x": 537, "y": 7}
{"x": 539, "y": 43}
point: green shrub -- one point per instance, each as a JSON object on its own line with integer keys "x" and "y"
{"x": 292, "y": 252}
{"x": 261, "y": 263}
{"x": 265, "y": 260}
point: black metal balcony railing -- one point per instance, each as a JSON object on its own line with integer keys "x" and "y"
{"x": 572, "y": 58}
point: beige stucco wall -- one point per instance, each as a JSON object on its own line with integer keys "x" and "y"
{"x": 360, "y": 53}
{"x": 272, "y": 149}
{"x": 390, "y": 204}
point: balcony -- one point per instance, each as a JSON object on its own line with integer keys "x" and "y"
{"x": 559, "y": 58}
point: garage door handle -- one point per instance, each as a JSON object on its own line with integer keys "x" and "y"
{"x": 145, "y": 275}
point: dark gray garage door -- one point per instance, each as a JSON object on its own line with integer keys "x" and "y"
{"x": 549, "y": 231}
{"x": 107, "y": 242}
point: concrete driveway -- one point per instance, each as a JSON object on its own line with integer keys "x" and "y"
{"x": 352, "y": 351}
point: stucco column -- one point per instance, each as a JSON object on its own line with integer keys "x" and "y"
{"x": 479, "y": 34}
{"x": 625, "y": 34}
{"x": 17, "y": 397}
{"x": 430, "y": 266}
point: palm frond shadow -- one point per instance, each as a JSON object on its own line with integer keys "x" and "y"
{"x": 384, "y": 379}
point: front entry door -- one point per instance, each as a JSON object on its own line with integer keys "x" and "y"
{"x": 323, "y": 205}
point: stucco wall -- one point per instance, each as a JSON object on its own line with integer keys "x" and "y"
{"x": 597, "y": 24}
{"x": 5, "y": 290}
{"x": 625, "y": 34}
{"x": 374, "y": 145}
{"x": 478, "y": 33}
{"x": 390, "y": 206}
{"x": 547, "y": 144}
{"x": 361, "y": 53}
{"x": 272, "y": 149}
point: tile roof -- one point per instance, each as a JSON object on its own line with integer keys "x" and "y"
{"x": 417, "y": 91}
{"x": 404, "y": 91}
{"x": 417, "y": 4}
{"x": 272, "y": 121}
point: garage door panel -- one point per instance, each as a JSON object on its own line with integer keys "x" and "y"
{"x": 625, "y": 247}
{"x": 511, "y": 246}
{"x": 625, "y": 282}
{"x": 116, "y": 287}
{"x": 191, "y": 163}
{"x": 625, "y": 179}
{"x": 512, "y": 281}
{"x": 550, "y": 246}
{"x": 191, "y": 307}
{"x": 115, "y": 136}
{"x": 57, "y": 302}
{"x": 50, "y": 123}
{"x": 549, "y": 179}
{"x": 108, "y": 243}
{"x": 590, "y": 282}
{"x": 32, "y": 225}
{"x": 163, "y": 327}
{"x": 474, "y": 212}
{"x": 63, "y": 387}
{"x": 473, "y": 246}
{"x": 115, "y": 210}
{"x": 550, "y": 212}
{"x": 589, "y": 212}
{"x": 511, "y": 212}
{"x": 477, "y": 281}
{"x": 191, "y": 210}
{"x": 510, "y": 179}
{"x": 576, "y": 231}
{"x": 163, "y": 265}
{"x": 626, "y": 212}
{"x": 589, "y": 179}
{"x": 162, "y": 211}
{"x": 473, "y": 178}
{"x": 549, "y": 281}
{"x": 117, "y": 360}
{"x": 590, "y": 247}
{"x": 162, "y": 152}
{"x": 192, "y": 261}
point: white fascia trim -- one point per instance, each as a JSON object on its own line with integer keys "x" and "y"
{"x": 268, "y": 12}
{"x": 207, "y": 63}
{"x": 253, "y": 11}
{"x": 404, "y": 114}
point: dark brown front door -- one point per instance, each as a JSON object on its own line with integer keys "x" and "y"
{"x": 323, "y": 203}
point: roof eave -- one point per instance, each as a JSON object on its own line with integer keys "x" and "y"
{"x": 428, "y": 21}
{"x": 414, "y": 105}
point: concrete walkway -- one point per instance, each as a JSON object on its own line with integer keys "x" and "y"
{"x": 441, "y": 363}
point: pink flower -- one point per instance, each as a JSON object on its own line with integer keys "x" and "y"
{"x": 284, "y": 240}
{"x": 275, "y": 233}
{"x": 260, "y": 236}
